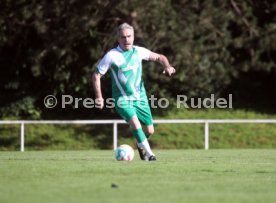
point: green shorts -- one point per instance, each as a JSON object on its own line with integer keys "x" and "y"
{"x": 129, "y": 108}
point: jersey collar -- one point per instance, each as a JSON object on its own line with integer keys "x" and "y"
{"x": 121, "y": 50}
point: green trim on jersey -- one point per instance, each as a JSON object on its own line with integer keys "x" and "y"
{"x": 126, "y": 78}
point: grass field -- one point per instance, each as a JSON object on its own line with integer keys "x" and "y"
{"x": 178, "y": 176}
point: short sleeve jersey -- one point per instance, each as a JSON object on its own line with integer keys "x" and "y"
{"x": 126, "y": 71}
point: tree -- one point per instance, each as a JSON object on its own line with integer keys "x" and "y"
{"x": 52, "y": 47}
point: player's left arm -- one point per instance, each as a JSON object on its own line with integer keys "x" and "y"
{"x": 163, "y": 60}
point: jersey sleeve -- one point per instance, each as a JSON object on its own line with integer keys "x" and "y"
{"x": 104, "y": 64}
{"x": 143, "y": 53}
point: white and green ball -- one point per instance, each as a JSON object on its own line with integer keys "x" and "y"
{"x": 124, "y": 153}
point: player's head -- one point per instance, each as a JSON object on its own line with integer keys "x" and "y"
{"x": 125, "y": 34}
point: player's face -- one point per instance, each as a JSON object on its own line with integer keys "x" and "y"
{"x": 126, "y": 39}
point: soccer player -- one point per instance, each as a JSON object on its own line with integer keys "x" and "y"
{"x": 125, "y": 66}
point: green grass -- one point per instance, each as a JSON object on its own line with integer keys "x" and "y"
{"x": 178, "y": 176}
{"x": 221, "y": 136}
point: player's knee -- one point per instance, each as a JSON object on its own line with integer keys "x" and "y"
{"x": 150, "y": 131}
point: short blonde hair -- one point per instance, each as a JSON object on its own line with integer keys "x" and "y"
{"x": 124, "y": 26}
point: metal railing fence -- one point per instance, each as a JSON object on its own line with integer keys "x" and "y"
{"x": 115, "y": 123}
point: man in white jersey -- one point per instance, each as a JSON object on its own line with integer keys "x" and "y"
{"x": 125, "y": 66}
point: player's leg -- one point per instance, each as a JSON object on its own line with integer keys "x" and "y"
{"x": 149, "y": 130}
{"x": 143, "y": 113}
{"x": 143, "y": 146}
{"x": 128, "y": 112}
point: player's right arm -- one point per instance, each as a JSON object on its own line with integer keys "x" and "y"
{"x": 96, "y": 81}
{"x": 101, "y": 69}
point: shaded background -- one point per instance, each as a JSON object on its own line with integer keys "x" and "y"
{"x": 218, "y": 47}
{"x": 52, "y": 47}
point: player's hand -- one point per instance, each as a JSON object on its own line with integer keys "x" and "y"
{"x": 169, "y": 71}
{"x": 99, "y": 103}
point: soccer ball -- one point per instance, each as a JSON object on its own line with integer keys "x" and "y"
{"x": 124, "y": 153}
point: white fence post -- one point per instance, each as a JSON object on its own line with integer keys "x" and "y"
{"x": 206, "y": 135}
{"x": 22, "y": 137}
{"x": 115, "y": 135}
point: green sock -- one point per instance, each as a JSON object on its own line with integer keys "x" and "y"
{"x": 139, "y": 135}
